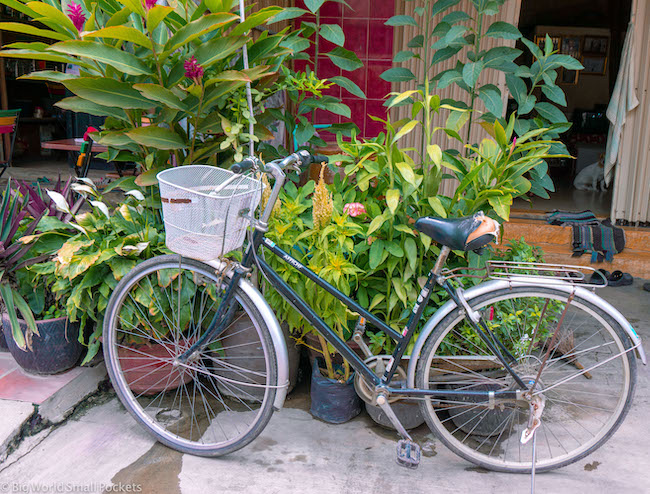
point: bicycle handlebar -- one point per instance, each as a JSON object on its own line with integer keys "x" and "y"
{"x": 303, "y": 157}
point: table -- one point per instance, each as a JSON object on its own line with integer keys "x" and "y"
{"x": 74, "y": 145}
{"x": 71, "y": 145}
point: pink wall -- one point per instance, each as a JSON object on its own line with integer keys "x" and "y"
{"x": 372, "y": 41}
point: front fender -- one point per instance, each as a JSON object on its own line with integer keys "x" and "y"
{"x": 274, "y": 330}
{"x": 494, "y": 285}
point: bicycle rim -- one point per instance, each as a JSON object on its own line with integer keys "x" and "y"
{"x": 587, "y": 381}
{"x": 221, "y": 398}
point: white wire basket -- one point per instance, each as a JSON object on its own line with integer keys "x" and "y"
{"x": 207, "y": 210}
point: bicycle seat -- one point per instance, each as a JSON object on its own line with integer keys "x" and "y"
{"x": 467, "y": 233}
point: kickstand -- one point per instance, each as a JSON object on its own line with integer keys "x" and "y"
{"x": 532, "y": 469}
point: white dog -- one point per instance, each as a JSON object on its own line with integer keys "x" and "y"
{"x": 590, "y": 177}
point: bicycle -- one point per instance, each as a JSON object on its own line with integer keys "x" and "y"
{"x": 532, "y": 351}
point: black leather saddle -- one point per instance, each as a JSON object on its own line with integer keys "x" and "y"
{"x": 454, "y": 232}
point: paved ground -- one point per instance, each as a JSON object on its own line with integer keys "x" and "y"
{"x": 102, "y": 446}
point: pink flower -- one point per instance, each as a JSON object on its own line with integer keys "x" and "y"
{"x": 88, "y": 131}
{"x": 149, "y": 4}
{"x": 193, "y": 70}
{"x": 354, "y": 209}
{"x": 76, "y": 15}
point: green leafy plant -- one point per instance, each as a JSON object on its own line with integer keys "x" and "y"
{"x": 106, "y": 245}
{"x": 459, "y": 30}
{"x": 170, "y": 80}
{"x": 321, "y": 236}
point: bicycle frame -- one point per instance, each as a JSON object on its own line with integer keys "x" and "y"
{"x": 250, "y": 258}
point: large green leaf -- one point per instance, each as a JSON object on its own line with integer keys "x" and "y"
{"x": 18, "y": 27}
{"x": 108, "y": 92}
{"x": 376, "y": 253}
{"x": 256, "y": 19}
{"x": 555, "y": 94}
{"x": 121, "y": 60}
{"x": 161, "y": 94}
{"x": 517, "y": 88}
{"x": 40, "y": 55}
{"x": 401, "y": 20}
{"x": 333, "y": 33}
{"x": 156, "y": 137}
{"x": 397, "y": 74}
{"x": 47, "y": 75}
{"x": 490, "y": 95}
{"x": 314, "y": 5}
{"x": 411, "y": 250}
{"x": 471, "y": 72}
{"x": 156, "y": 15}
{"x": 442, "y": 5}
{"x": 80, "y": 105}
{"x": 345, "y": 59}
{"x": 197, "y": 28}
{"x": 287, "y": 14}
{"x": 218, "y": 49}
{"x": 123, "y": 33}
{"x": 347, "y": 84}
{"x": 503, "y": 30}
{"x": 550, "y": 112}
{"x": 53, "y": 14}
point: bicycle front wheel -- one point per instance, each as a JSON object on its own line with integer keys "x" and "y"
{"x": 221, "y": 398}
{"x": 587, "y": 379}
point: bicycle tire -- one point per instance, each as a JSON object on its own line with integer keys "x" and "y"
{"x": 486, "y": 436}
{"x": 222, "y": 395}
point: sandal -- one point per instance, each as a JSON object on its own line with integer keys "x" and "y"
{"x": 600, "y": 277}
{"x": 618, "y": 278}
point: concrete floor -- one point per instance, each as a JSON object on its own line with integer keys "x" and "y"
{"x": 102, "y": 446}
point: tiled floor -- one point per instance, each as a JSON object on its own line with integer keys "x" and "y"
{"x": 17, "y": 385}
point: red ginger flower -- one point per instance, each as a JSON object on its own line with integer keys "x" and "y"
{"x": 76, "y": 15}
{"x": 149, "y": 4}
{"x": 193, "y": 70}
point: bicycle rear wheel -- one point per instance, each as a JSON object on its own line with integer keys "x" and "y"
{"x": 587, "y": 382}
{"x": 222, "y": 397}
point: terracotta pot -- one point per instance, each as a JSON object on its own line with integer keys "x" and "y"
{"x": 146, "y": 373}
{"x": 56, "y": 349}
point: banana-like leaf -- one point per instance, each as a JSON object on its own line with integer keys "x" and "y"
{"x": 18, "y": 27}
{"x": 120, "y": 60}
{"x": 108, "y": 92}
{"x": 195, "y": 29}
{"x": 80, "y": 105}
{"x": 157, "y": 137}
{"x": 124, "y": 33}
{"x": 163, "y": 95}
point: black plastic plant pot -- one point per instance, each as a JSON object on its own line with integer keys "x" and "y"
{"x": 56, "y": 350}
{"x": 331, "y": 400}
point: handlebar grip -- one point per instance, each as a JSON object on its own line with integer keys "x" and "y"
{"x": 244, "y": 165}
{"x": 320, "y": 158}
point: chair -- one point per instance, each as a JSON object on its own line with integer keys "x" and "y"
{"x": 8, "y": 128}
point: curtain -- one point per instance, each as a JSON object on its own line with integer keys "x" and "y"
{"x": 631, "y": 200}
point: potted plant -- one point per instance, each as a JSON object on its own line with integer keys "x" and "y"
{"x": 42, "y": 340}
{"x": 104, "y": 245}
{"x": 321, "y": 238}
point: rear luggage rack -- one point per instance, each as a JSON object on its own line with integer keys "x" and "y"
{"x": 536, "y": 272}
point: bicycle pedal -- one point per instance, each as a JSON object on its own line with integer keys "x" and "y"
{"x": 408, "y": 454}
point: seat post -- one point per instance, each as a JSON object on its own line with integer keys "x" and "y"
{"x": 442, "y": 259}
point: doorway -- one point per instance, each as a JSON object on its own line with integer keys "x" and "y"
{"x": 592, "y": 31}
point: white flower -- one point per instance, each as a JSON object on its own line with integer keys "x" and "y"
{"x": 135, "y": 193}
{"x": 59, "y": 200}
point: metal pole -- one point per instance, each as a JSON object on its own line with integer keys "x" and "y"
{"x": 249, "y": 97}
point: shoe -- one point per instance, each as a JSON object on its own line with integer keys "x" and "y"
{"x": 600, "y": 277}
{"x": 618, "y": 278}
{"x": 646, "y": 287}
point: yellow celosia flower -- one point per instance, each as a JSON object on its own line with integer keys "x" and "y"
{"x": 323, "y": 204}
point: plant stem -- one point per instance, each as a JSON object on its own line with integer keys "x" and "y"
{"x": 477, "y": 47}
{"x": 326, "y": 357}
{"x": 196, "y": 122}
